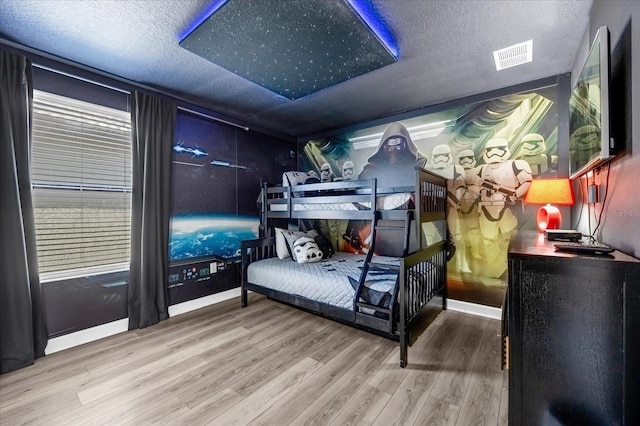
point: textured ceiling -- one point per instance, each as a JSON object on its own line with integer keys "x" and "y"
{"x": 445, "y": 53}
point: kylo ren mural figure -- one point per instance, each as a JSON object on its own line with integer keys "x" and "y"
{"x": 394, "y": 161}
{"x": 489, "y": 152}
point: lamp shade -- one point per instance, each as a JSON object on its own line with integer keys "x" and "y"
{"x": 549, "y": 191}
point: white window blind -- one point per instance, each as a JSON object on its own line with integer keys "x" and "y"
{"x": 81, "y": 174}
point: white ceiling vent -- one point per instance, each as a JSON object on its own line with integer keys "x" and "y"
{"x": 511, "y": 56}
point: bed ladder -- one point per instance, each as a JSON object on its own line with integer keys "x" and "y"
{"x": 378, "y": 323}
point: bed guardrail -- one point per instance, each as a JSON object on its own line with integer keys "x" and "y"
{"x": 332, "y": 200}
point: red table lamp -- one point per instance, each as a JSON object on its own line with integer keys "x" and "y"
{"x": 549, "y": 191}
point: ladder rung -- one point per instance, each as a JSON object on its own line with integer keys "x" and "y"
{"x": 372, "y": 307}
{"x": 384, "y": 266}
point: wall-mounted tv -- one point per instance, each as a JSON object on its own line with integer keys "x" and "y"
{"x": 590, "y": 144}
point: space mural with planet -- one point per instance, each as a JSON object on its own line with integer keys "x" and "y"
{"x": 216, "y": 177}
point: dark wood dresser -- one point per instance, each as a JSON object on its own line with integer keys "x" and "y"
{"x": 572, "y": 327}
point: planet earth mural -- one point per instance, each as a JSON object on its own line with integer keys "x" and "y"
{"x": 208, "y": 235}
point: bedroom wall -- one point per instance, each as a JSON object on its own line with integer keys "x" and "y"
{"x": 620, "y": 210}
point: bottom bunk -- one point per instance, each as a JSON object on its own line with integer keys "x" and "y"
{"x": 397, "y": 299}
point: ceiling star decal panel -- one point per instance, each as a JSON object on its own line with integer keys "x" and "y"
{"x": 293, "y": 47}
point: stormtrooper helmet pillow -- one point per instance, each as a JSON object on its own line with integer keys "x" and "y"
{"x": 286, "y": 238}
{"x": 306, "y": 250}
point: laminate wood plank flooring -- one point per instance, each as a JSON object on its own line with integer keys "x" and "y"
{"x": 267, "y": 364}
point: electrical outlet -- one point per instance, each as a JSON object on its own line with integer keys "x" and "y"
{"x": 592, "y": 194}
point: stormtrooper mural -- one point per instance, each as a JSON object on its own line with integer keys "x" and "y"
{"x": 348, "y": 171}
{"x": 326, "y": 174}
{"x": 488, "y": 151}
{"x": 534, "y": 152}
{"x": 442, "y": 164}
{"x": 469, "y": 247}
{"x": 502, "y": 183}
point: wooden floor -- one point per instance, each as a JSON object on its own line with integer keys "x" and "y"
{"x": 267, "y": 364}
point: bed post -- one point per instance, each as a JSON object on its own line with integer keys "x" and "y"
{"x": 262, "y": 230}
{"x": 243, "y": 289}
{"x": 445, "y": 289}
{"x": 403, "y": 314}
{"x": 243, "y": 297}
{"x": 244, "y": 262}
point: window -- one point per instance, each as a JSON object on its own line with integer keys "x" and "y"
{"x": 81, "y": 176}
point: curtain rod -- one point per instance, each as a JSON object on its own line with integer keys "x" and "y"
{"x": 76, "y": 77}
{"x": 66, "y": 62}
{"x": 190, "y": 111}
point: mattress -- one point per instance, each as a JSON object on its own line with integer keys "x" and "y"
{"x": 328, "y": 281}
{"x": 317, "y": 207}
{"x": 383, "y": 202}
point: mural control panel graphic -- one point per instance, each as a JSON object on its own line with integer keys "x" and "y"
{"x": 194, "y": 272}
{"x": 199, "y": 278}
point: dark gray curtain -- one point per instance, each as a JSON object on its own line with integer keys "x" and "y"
{"x": 153, "y": 130}
{"x": 23, "y": 330}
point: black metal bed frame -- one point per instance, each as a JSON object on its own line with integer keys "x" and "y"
{"x": 420, "y": 292}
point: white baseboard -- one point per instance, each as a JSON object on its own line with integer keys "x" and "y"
{"x": 85, "y": 336}
{"x": 109, "y": 329}
{"x": 474, "y": 309}
{"x": 192, "y": 305}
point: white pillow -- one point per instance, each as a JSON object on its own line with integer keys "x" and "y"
{"x": 286, "y": 238}
{"x": 393, "y": 201}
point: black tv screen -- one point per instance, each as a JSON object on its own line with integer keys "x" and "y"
{"x": 589, "y": 134}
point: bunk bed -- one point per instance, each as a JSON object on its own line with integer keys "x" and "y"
{"x": 395, "y": 288}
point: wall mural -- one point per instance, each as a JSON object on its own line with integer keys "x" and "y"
{"x": 216, "y": 179}
{"x": 490, "y": 151}
{"x": 217, "y": 173}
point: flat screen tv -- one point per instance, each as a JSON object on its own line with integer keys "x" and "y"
{"x": 590, "y": 144}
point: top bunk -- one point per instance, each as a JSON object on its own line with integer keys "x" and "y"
{"x": 425, "y": 201}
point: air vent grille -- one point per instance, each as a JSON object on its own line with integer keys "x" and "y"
{"x": 511, "y": 56}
